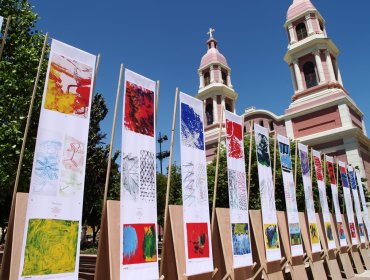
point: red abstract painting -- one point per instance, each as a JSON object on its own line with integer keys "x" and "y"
{"x": 139, "y": 109}
{"x": 139, "y": 243}
{"x": 331, "y": 173}
{"x": 352, "y": 229}
{"x": 198, "y": 240}
{"x": 234, "y": 135}
{"x": 318, "y": 166}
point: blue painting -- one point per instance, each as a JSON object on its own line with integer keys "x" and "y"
{"x": 286, "y": 161}
{"x": 191, "y": 128}
{"x": 343, "y": 175}
{"x": 352, "y": 179}
{"x": 241, "y": 239}
{"x": 304, "y": 163}
{"x": 130, "y": 243}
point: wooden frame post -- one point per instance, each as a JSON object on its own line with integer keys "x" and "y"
{"x": 169, "y": 180}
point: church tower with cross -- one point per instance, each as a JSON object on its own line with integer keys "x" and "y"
{"x": 215, "y": 90}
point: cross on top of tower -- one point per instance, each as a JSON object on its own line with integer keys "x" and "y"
{"x": 210, "y": 33}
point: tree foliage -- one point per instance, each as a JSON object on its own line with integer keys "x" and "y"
{"x": 18, "y": 69}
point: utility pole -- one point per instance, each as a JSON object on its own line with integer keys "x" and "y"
{"x": 162, "y": 155}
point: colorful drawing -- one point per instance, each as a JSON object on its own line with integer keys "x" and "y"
{"x": 198, "y": 241}
{"x": 352, "y": 230}
{"x": 329, "y": 231}
{"x": 130, "y": 175}
{"x": 331, "y": 173}
{"x": 234, "y": 135}
{"x": 68, "y": 86}
{"x": 352, "y": 179}
{"x": 139, "y": 243}
{"x": 314, "y": 234}
{"x": 295, "y": 234}
{"x": 51, "y": 247}
{"x": 341, "y": 233}
{"x": 343, "y": 175}
{"x": 71, "y": 179}
{"x": 147, "y": 175}
{"x": 304, "y": 163}
{"x": 286, "y": 160}
{"x": 263, "y": 154}
{"x": 271, "y": 236}
{"x": 241, "y": 239}
{"x": 139, "y": 109}
{"x": 361, "y": 229}
{"x": 195, "y": 183}
{"x": 47, "y": 168}
{"x": 191, "y": 128}
{"x": 318, "y": 168}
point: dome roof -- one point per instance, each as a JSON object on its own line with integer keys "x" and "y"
{"x": 213, "y": 55}
{"x": 299, "y": 7}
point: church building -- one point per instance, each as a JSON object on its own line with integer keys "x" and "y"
{"x": 321, "y": 113}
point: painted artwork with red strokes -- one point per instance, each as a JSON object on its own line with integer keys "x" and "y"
{"x": 198, "y": 240}
{"x": 352, "y": 229}
{"x": 331, "y": 173}
{"x": 139, "y": 109}
{"x": 234, "y": 135}
{"x": 318, "y": 168}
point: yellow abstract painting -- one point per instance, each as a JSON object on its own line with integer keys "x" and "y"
{"x": 51, "y": 247}
{"x": 314, "y": 232}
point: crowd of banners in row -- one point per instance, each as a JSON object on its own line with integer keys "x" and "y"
{"x": 53, "y": 220}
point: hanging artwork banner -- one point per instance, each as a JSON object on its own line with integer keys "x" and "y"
{"x": 51, "y": 242}
{"x": 356, "y": 200}
{"x": 363, "y": 202}
{"x": 197, "y": 229}
{"x": 267, "y": 194}
{"x": 323, "y": 199}
{"x": 348, "y": 202}
{"x": 290, "y": 196}
{"x": 1, "y": 22}
{"x": 239, "y": 218}
{"x": 138, "y": 205}
{"x": 335, "y": 197}
{"x": 310, "y": 206}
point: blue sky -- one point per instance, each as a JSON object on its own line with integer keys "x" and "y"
{"x": 165, "y": 40}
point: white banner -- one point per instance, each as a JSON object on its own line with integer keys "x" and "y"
{"x": 267, "y": 194}
{"x": 323, "y": 199}
{"x": 51, "y": 242}
{"x": 138, "y": 234}
{"x": 334, "y": 191}
{"x": 363, "y": 202}
{"x": 290, "y": 196}
{"x": 239, "y": 217}
{"x": 360, "y": 222}
{"x": 310, "y": 206}
{"x": 197, "y": 229}
{"x": 348, "y": 202}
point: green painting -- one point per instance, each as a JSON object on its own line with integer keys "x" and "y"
{"x": 51, "y": 247}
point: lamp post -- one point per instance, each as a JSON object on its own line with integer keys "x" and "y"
{"x": 162, "y": 155}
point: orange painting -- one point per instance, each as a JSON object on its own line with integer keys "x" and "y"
{"x": 68, "y": 86}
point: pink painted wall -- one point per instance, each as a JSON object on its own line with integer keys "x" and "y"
{"x": 325, "y": 66}
{"x": 339, "y": 155}
{"x": 216, "y": 74}
{"x": 328, "y": 145}
{"x": 356, "y": 119}
{"x": 315, "y": 23}
{"x": 302, "y": 61}
{"x": 210, "y": 151}
{"x": 316, "y": 122}
{"x": 366, "y": 161}
{"x": 279, "y": 127}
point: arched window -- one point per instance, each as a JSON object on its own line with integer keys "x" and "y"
{"x": 301, "y": 31}
{"x": 224, "y": 76}
{"x": 261, "y": 123}
{"x": 310, "y": 74}
{"x": 228, "y": 107}
{"x": 209, "y": 114}
{"x": 207, "y": 78}
{"x": 271, "y": 125}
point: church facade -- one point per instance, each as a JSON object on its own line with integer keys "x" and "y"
{"x": 321, "y": 113}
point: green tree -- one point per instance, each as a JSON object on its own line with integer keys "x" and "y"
{"x": 18, "y": 69}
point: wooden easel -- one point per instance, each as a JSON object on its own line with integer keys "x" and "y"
{"x": 329, "y": 254}
{"x": 173, "y": 260}
{"x": 296, "y": 264}
{"x": 353, "y": 249}
{"x": 270, "y": 270}
{"x": 12, "y": 259}
{"x": 108, "y": 252}
{"x": 317, "y": 267}
{"x": 342, "y": 252}
{"x": 362, "y": 249}
{"x": 222, "y": 251}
